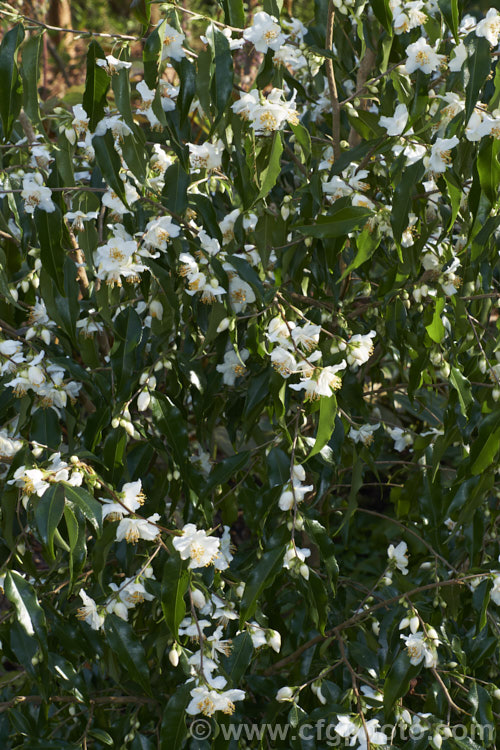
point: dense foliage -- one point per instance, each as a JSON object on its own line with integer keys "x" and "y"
{"x": 250, "y": 372}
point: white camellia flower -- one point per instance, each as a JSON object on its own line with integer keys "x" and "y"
{"x": 147, "y": 96}
{"x": 80, "y": 120}
{"x": 364, "y": 434}
{"x": 396, "y": 124}
{"x": 399, "y": 556}
{"x": 197, "y": 545}
{"x": 241, "y": 294}
{"x": 232, "y": 366}
{"x": 273, "y": 113}
{"x": 283, "y": 361}
{"x": 306, "y": 336}
{"x": 159, "y": 232}
{"x": 172, "y": 41}
{"x": 440, "y": 157}
{"x": 402, "y": 439}
{"x": 112, "y": 65}
{"x": 8, "y": 445}
{"x": 336, "y": 188}
{"x": 278, "y": 332}
{"x": 419, "y": 649}
{"x": 409, "y": 18}
{"x": 133, "y": 529}
{"x": 224, "y": 556}
{"x": 264, "y": 33}
{"x": 206, "y": 156}
{"x": 495, "y": 589}
{"x": 246, "y": 104}
{"x": 489, "y": 27}
{"x": 421, "y": 56}
{"x": 115, "y": 260}
{"x": 36, "y": 195}
{"x": 88, "y": 613}
{"x": 360, "y": 349}
{"x": 459, "y": 57}
{"x": 207, "y": 702}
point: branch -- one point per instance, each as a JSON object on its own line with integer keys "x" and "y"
{"x": 331, "y": 83}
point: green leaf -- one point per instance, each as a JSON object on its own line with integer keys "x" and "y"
{"x": 269, "y": 174}
{"x": 488, "y": 168}
{"x": 52, "y": 254}
{"x": 318, "y": 601}
{"x": 235, "y": 13}
{"x": 45, "y": 428}
{"x": 173, "y": 726}
{"x": 326, "y": 423}
{"x": 29, "y": 613}
{"x": 129, "y": 650}
{"x": 236, "y": 664}
{"x": 128, "y": 330}
{"x": 326, "y": 546}
{"x": 401, "y": 205}
{"x": 449, "y": 9}
{"x": 172, "y": 424}
{"x": 462, "y": 386}
{"x": 109, "y": 163}
{"x": 48, "y": 513}
{"x": 96, "y": 86}
{"x": 222, "y": 80}
{"x": 336, "y": 225}
{"x": 120, "y": 82}
{"x": 261, "y": 576}
{"x": 141, "y": 10}
{"x": 226, "y": 469}
{"x": 478, "y": 64}
{"x": 383, "y": 13}
{"x": 152, "y": 57}
{"x": 436, "y": 329}
{"x": 187, "y": 75}
{"x": 174, "y": 585}
{"x": 30, "y": 71}
{"x": 89, "y": 506}
{"x": 11, "y": 86}
{"x": 397, "y": 682}
{"x": 484, "y": 450}
{"x": 174, "y": 193}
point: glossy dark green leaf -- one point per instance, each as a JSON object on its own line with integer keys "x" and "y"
{"x": 128, "y": 649}
{"x": 222, "y": 80}
{"x": 128, "y": 335}
{"x": 174, "y": 585}
{"x": 397, "y": 682}
{"x": 29, "y": 613}
{"x": 236, "y": 664}
{"x": 187, "y": 75}
{"x": 261, "y": 576}
{"x": 326, "y": 546}
{"x": 268, "y": 176}
{"x": 174, "y": 193}
{"x": 152, "y": 58}
{"x": 341, "y": 223}
{"x": 478, "y": 65}
{"x": 50, "y": 236}
{"x": 48, "y": 513}
{"x": 449, "y": 9}
{"x": 30, "y": 71}
{"x": 226, "y": 469}
{"x": 402, "y": 203}
{"x": 141, "y": 10}
{"x": 86, "y": 503}
{"x": 109, "y": 163}
{"x": 326, "y": 423}
{"x": 488, "y": 167}
{"x": 173, "y": 725}
{"x": 463, "y": 388}
{"x": 172, "y": 426}
{"x": 383, "y": 13}
{"x": 11, "y": 85}
{"x": 235, "y": 13}
{"x": 96, "y": 85}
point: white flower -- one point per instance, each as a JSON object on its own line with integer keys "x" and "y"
{"x": 278, "y": 332}
{"x": 207, "y": 702}
{"x": 489, "y": 27}
{"x": 131, "y": 499}
{"x": 306, "y": 336}
{"x": 419, "y": 649}
{"x": 133, "y": 529}
{"x": 410, "y": 18}
{"x": 206, "y": 156}
{"x": 116, "y": 259}
{"x": 273, "y": 113}
{"x": 159, "y": 232}
{"x": 402, "y": 439}
{"x": 112, "y": 65}
{"x": 423, "y": 57}
{"x": 283, "y": 361}
{"x": 36, "y": 195}
{"x": 398, "y": 555}
{"x": 364, "y": 434}
{"x": 284, "y": 694}
{"x": 241, "y": 294}
{"x": 232, "y": 366}
{"x": 459, "y": 58}
{"x": 172, "y": 41}
{"x": 360, "y": 349}
{"x": 264, "y": 33}
{"x": 197, "y": 545}
{"x": 440, "y": 157}
{"x": 8, "y": 445}
{"x": 246, "y": 104}
{"x": 224, "y": 556}
{"x": 291, "y": 57}
{"x": 80, "y": 120}
{"x": 88, "y": 613}
{"x": 396, "y": 124}
{"x": 495, "y": 590}
{"x": 112, "y": 201}
{"x": 326, "y": 382}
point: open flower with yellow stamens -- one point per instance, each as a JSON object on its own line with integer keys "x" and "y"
{"x": 197, "y": 545}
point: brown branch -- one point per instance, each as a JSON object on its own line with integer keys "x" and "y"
{"x": 331, "y": 83}
{"x": 365, "y": 67}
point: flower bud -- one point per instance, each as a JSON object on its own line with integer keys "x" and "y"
{"x": 156, "y": 309}
{"x": 173, "y": 656}
{"x": 143, "y": 400}
{"x": 198, "y": 598}
{"x": 284, "y": 694}
{"x": 223, "y": 325}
